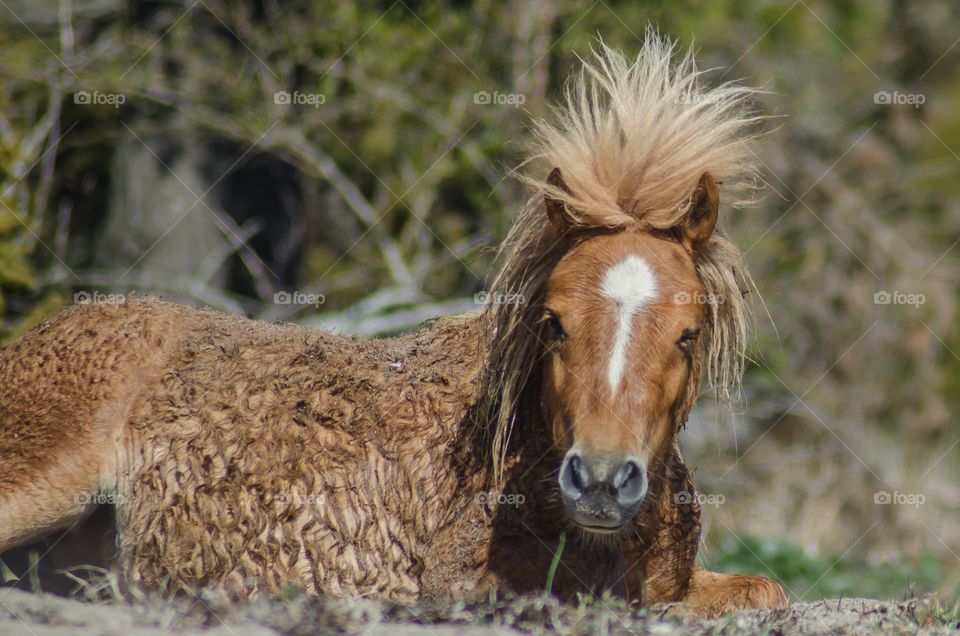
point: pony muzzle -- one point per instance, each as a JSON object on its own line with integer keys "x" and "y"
{"x": 601, "y": 491}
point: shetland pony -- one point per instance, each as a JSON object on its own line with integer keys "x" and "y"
{"x": 444, "y": 463}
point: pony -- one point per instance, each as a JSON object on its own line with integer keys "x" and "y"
{"x": 479, "y": 452}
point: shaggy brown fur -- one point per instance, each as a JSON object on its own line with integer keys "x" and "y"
{"x": 246, "y": 456}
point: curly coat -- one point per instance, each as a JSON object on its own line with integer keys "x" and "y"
{"x": 246, "y": 455}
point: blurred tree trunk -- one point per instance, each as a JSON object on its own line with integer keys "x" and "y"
{"x": 158, "y": 233}
{"x": 47, "y": 14}
{"x": 531, "y": 62}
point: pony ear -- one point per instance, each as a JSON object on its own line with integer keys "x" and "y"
{"x": 701, "y": 219}
{"x": 555, "y": 207}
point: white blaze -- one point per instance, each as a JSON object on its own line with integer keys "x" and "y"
{"x": 629, "y": 284}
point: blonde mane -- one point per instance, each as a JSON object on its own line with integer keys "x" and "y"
{"x": 631, "y": 141}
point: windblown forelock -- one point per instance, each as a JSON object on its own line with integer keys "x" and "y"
{"x": 631, "y": 141}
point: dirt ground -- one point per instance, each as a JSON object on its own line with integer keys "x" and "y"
{"x": 48, "y": 615}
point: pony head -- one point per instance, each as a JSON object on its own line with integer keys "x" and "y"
{"x": 629, "y": 290}
{"x": 624, "y": 313}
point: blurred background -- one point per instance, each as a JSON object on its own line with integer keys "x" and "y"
{"x": 345, "y": 166}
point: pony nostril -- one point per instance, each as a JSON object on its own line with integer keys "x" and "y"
{"x": 626, "y": 474}
{"x": 572, "y": 476}
{"x": 631, "y": 483}
{"x": 576, "y": 473}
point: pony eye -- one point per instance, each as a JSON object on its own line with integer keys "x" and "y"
{"x": 687, "y": 338}
{"x": 555, "y": 327}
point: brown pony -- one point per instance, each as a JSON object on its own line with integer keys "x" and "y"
{"x": 444, "y": 463}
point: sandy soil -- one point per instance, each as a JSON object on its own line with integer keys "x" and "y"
{"x": 44, "y": 614}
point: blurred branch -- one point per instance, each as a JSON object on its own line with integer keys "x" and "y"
{"x": 352, "y": 321}
{"x": 382, "y": 91}
{"x": 290, "y": 143}
{"x": 320, "y": 164}
{"x": 151, "y": 282}
{"x": 237, "y": 238}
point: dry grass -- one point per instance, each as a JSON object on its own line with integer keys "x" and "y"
{"x": 296, "y": 614}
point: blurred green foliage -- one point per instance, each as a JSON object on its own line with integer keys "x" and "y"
{"x": 812, "y": 578}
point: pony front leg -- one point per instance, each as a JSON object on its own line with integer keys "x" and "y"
{"x": 661, "y": 568}
{"x": 711, "y": 594}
